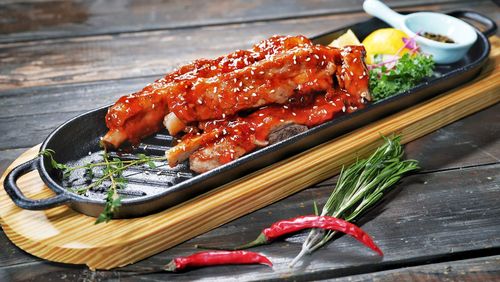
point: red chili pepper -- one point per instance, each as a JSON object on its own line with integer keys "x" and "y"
{"x": 292, "y": 225}
{"x": 216, "y": 258}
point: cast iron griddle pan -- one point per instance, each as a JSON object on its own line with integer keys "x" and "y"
{"x": 150, "y": 190}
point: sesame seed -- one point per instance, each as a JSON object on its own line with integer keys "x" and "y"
{"x": 285, "y": 106}
{"x": 254, "y": 94}
{"x": 215, "y": 89}
{"x": 343, "y": 108}
{"x": 308, "y": 59}
{"x": 199, "y": 101}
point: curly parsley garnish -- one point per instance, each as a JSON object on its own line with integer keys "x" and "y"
{"x": 407, "y": 72}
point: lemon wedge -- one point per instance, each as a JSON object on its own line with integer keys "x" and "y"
{"x": 348, "y": 38}
{"x": 385, "y": 41}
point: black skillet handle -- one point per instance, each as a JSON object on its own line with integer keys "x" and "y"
{"x": 18, "y": 197}
{"x": 489, "y": 24}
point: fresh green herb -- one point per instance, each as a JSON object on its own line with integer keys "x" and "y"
{"x": 359, "y": 187}
{"x": 112, "y": 171}
{"x": 407, "y": 72}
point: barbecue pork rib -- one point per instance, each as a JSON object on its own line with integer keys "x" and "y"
{"x": 231, "y": 105}
{"x": 140, "y": 114}
{"x": 228, "y": 139}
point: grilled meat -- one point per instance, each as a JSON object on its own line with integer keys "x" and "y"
{"x": 229, "y": 139}
{"x": 248, "y": 99}
{"x": 140, "y": 114}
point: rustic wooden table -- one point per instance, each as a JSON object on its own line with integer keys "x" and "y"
{"x": 61, "y": 58}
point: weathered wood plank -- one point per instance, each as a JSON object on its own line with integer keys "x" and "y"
{"x": 478, "y": 269}
{"x": 28, "y": 20}
{"x": 426, "y": 219}
{"x": 12, "y": 255}
{"x": 118, "y": 56}
{"x": 8, "y": 156}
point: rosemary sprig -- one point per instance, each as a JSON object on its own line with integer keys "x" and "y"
{"x": 359, "y": 187}
{"x": 112, "y": 171}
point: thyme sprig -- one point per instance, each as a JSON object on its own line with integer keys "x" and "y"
{"x": 359, "y": 187}
{"x": 112, "y": 172}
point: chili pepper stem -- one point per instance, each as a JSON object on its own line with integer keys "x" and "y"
{"x": 260, "y": 240}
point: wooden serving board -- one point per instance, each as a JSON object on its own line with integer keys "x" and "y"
{"x": 63, "y": 235}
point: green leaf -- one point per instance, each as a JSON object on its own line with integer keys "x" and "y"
{"x": 407, "y": 73}
{"x": 315, "y": 205}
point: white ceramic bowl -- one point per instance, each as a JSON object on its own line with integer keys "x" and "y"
{"x": 459, "y": 31}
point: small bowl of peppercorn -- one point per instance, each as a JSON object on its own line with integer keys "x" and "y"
{"x": 444, "y": 37}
